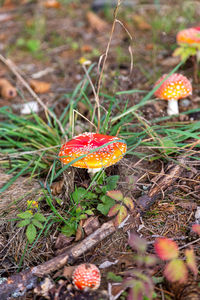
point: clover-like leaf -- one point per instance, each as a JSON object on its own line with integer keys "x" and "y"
{"x": 166, "y": 249}
{"x": 25, "y": 215}
{"x": 114, "y": 210}
{"x": 137, "y": 243}
{"x": 37, "y": 224}
{"x": 122, "y": 214}
{"x": 23, "y": 223}
{"x": 31, "y": 233}
{"x": 39, "y": 217}
{"x": 116, "y": 195}
{"x": 191, "y": 261}
{"x": 129, "y": 202}
{"x": 176, "y": 270}
{"x": 196, "y": 228}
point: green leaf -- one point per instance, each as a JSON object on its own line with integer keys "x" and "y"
{"x": 106, "y": 205}
{"x": 112, "y": 276}
{"x": 116, "y": 195}
{"x": 40, "y": 217}
{"x": 37, "y": 223}
{"x": 31, "y": 233}
{"x": 79, "y": 194}
{"x": 33, "y": 45}
{"x": 69, "y": 229}
{"x": 129, "y": 203}
{"x": 23, "y": 223}
{"x": 25, "y": 215}
{"x": 112, "y": 182}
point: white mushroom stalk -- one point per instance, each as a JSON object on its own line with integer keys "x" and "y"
{"x": 172, "y": 107}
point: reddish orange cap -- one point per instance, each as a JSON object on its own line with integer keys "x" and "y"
{"x": 84, "y": 143}
{"x": 174, "y": 87}
{"x": 86, "y": 276}
{"x": 189, "y": 36}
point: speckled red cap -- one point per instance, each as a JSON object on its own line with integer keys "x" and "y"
{"x": 86, "y": 277}
{"x": 174, "y": 87}
{"x": 85, "y": 142}
{"x": 189, "y": 36}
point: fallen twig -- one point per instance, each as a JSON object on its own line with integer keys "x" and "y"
{"x": 18, "y": 284}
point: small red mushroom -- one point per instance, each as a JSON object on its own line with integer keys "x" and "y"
{"x": 94, "y": 161}
{"x": 86, "y": 277}
{"x": 189, "y": 36}
{"x": 189, "y": 41}
{"x": 173, "y": 88}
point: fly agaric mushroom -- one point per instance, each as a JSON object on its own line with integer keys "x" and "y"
{"x": 85, "y": 144}
{"x": 189, "y": 42}
{"x": 86, "y": 277}
{"x": 189, "y": 36}
{"x": 172, "y": 89}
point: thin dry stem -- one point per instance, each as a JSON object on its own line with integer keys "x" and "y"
{"x": 13, "y": 68}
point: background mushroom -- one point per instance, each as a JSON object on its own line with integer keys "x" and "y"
{"x": 94, "y": 160}
{"x": 189, "y": 46}
{"x": 173, "y": 88}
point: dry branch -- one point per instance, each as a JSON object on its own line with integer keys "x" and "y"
{"x": 26, "y": 280}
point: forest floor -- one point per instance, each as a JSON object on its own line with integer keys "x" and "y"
{"x": 48, "y": 46}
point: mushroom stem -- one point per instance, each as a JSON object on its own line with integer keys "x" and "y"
{"x": 92, "y": 172}
{"x": 172, "y": 107}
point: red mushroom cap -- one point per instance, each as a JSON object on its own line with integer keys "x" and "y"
{"x": 86, "y": 277}
{"x": 189, "y": 36}
{"x": 174, "y": 87}
{"x": 85, "y": 142}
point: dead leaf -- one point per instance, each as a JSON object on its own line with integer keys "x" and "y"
{"x": 90, "y": 225}
{"x": 187, "y": 205}
{"x": 7, "y": 90}
{"x": 63, "y": 241}
{"x": 52, "y": 4}
{"x": 141, "y": 23}
{"x": 40, "y": 87}
{"x": 86, "y": 48}
{"x": 67, "y": 272}
{"x": 44, "y": 287}
{"x": 95, "y": 22}
{"x": 56, "y": 187}
{"x": 79, "y": 232}
{"x": 170, "y": 61}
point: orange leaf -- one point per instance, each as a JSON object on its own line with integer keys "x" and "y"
{"x": 7, "y": 90}
{"x": 176, "y": 270}
{"x": 40, "y": 87}
{"x": 196, "y": 228}
{"x": 166, "y": 249}
{"x": 190, "y": 260}
{"x": 52, "y": 4}
{"x": 95, "y": 22}
{"x": 116, "y": 195}
{"x": 122, "y": 214}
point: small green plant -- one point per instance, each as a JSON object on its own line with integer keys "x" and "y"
{"x": 31, "y": 219}
{"x": 32, "y": 45}
{"x": 83, "y": 202}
